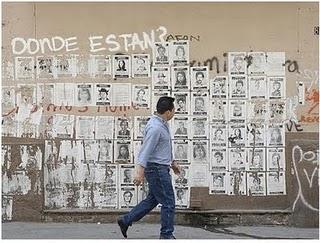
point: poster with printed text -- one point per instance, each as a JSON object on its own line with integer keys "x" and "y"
{"x": 217, "y": 182}
{"x": 84, "y": 94}
{"x": 100, "y": 66}
{"x": 218, "y": 158}
{"x": 200, "y": 151}
{"x": 64, "y": 94}
{"x": 182, "y": 196}
{"x": 276, "y": 159}
{"x": 199, "y": 174}
{"x": 237, "y": 111}
{"x": 140, "y": 123}
{"x": 8, "y": 98}
{"x": 256, "y": 183}
{"x": 236, "y": 183}
{"x": 276, "y": 183}
{"x": 65, "y": 66}
{"x": 141, "y": 96}
{"x": 45, "y": 67}
{"x": 237, "y": 135}
{"x": 121, "y": 94}
{"x": 219, "y": 111}
{"x": 237, "y": 159}
{"x": 257, "y": 64}
{"x": 123, "y": 151}
{"x": 128, "y": 197}
{"x": 123, "y": 127}
{"x": 257, "y": 87}
{"x": 184, "y": 178}
{"x": 276, "y": 135}
{"x": 85, "y": 127}
{"x": 182, "y": 103}
{"x": 199, "y": 78}
{"x": 256, "y": 159}
{"x": 277, "y": 87}
{"x": 238, "y": 87}
{"x": 104, "y": 127}
{"x": 161, "y": 78}
{"x": 256, "y": 135}
{"x": 257, "y": 111}
{"x": 63, "y": 126}
{"x": 180, "y": 78}
{"x": 179, "y": 52}
{"x": 219, "y": 87}
{"x": 199, "y": 104}
{"x": 218, "y": 134}
{"x": 161, "y": 53}
{"x": 45, "y": 94}
{"x": 121, "y": 66}
{"x": 181, "y": 127}
{"x": 102, "y": 94}
{"x": 237, "y": 64}
{"x": 180, "y": 151}
{"x": 199, "y": 128}
{"x": 140, "y": 65}
{"x": 105, "y": 151}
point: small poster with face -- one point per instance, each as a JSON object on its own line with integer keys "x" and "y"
{"x": 237, "y": 135}
{"x": 218, "y": 134}
{"x": 140, "y": 123}
{"x": 277, "y": 111}
{"x": 180, "y": 78}
{"x": 103, "y": 94}
{"x": 276, "y": 159}
{"x": 182, "y": 196}
{"x": 105, "y": 151}
{"x": 88, "y": 151}
{"x": 276, "y": 135}
{"x": 276, "y": 183}
{"x": 277, "y": 87}
{"x": 258, "y": 63}
{"x": 182, "y": 102}
{"x": 199, "y": 128}
{"x": 237, "y": 111}
{"x": 141, "y": 96}
{"x": 256, "y": 183}
{"x": 180, "y": 151}
{"x": 238, "y": 87}
{"x": 128, "y": 197}
{"x": 199, "y": 78}
{"x": 200, "y": 151}
{"x": 161, "y": 78}
{"x": 257, "y": 87}
{"x": 84, "y": 94}
{"x": 63, "y": 126}
{"x": 256, "y": 135}
{"x": 199, "y": 175}
{"x": 236, "y": 183}
{"x": 122, "y": 151}
{"x": 217, "y": 182}
{"x": 237, "y": 64}
{"x": 181, "y": 127}
{"x": 121, "y": 66}
{"x": 45, "y": 94}
{"x": 218, "y": 158}
{"x": 219, "y": 87}
{"x": 199, "y": 103}
{"x": 256, "y": 159}
{"x": 219, "y": 111}
{"x": 123, "y": 127}
{"x": 179, "y": 52}
{"x": 126, "y": 175}
{"x": 161, "y": 53}
{"x": 237, "y": 159}
{"x": 140, "y": 65}
{"x": 183, "y": 178}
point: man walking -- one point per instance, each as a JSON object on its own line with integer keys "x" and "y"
{"x": 154, "y": 161}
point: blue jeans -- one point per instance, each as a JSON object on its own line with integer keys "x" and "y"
{"x": 160, "y": 191}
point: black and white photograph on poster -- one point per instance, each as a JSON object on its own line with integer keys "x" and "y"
{"x": 257, "y": 87}
{"x": 143, "y": 191}
{"x": 100, "y": 66}
{"x": 64, "y": 94}
{"x": 276, "y": 183}
{"x": 107, "y": 196}
{"x": 155, "y": 97}
{"x": 161, "y": 78}
{"x": 237, "y": 111}
{"x": 276, "y": 159}
{"x": 27, "y": 129}
{"x": 258, "y": 63}
{"x": 123, "y": 127}
{"x": 106, "y": 173}
{"x": 8, "y": 98}
{"x": 219, "y": 111}
{"x": 140, "y": 123}
{"x": 219, "y": 87}
{"x": 182, "y": 102}
{"x": 84, "y": 94}
{"x": 199, "y": 128}
{"x": 126, "y": 175}
{"x": 200, "y": 151}
{"x": 45, "y": 94}
{"x": 182, "y": 194}
{"x": 88, "y": 151}
{"x": 136, "y": 149}
{"x": 218, "y": 134}
{"x": 236, "y": 183}
{"x": 121, "y": 66}
{"x": 102, "y": 94}
{"x": 161, "y": 53}
{"x": 45, "y": 67}
{"x": 199, "y": 103}
{"x": 276, "y": 64}
{"x": 217, "y": 182}
{"x": 121, "y": 94}
{"x": 122, "y": 151}
{"x": 141, "y": 96}
{"x": 256, "y": 159}
{"x": 24, "y": 68}
{"x": 237, "y": 159}
{"x": 237, "y": 64}
{"x": 277, "y": 87}
{"x": 237, "y": 135}
{"x": 180, "y": 78}
{"x": 180, "y": 151}
{"x": 65, "y": 66}
{"x": 199, "y": 78}
{"x": 238, "y": 87}
{"x": 31, "y": 157}
{"x": 218, "y": 158}
{"x": 7, "y": 202}
{"x": 85, "y": 127}
{"x": 104, "y": 127}
{"x": 256, "y": 135}
{"x": 183, "y": 178}
{"x": 9, "y": 125}
{"x": 140, "y": 65}
{"x": 256, "y": 184}
{"x": 128, "y": 197}
{"x": 257, "y": 111}
{"x": 181, "y": 128}
{"x": 83, "y": 66}
{"x": 199, "y": 174}
{"x": 179, "y": 52}
{"x": 276, "y": 135}
{"x": 105, "y": 151}
{"x": 63, "y": 126}
{"x": 277, "y": 111}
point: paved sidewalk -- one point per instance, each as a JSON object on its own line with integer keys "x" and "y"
{"x": 29, "y": 230}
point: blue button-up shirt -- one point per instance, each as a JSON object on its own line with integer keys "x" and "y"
{"x": 156, "y": 146}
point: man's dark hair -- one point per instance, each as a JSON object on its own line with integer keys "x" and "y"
{"x": 164, "y": 104}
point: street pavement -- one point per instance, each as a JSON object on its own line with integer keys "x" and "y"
{"x": 30, "y": 230}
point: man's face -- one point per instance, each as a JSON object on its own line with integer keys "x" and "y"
{"x": 239, "y": 86}
{"x": 124, "y": 126}
{"x": 276, "y": 86}
{"x": 199, "y": 78}
{"x": 180, "y": 77}
{"x": 199, "y": 104}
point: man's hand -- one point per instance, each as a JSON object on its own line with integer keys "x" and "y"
{"x": 139, "y": 175}
{"x": 176, "y": 168}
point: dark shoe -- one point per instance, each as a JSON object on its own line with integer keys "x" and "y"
{"x": 123, "y": 227}
{"x": 171, "y": 237}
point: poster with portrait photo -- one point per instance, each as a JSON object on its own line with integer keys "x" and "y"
{"x": 140, "y": 65}
{"x": 123, "y": 127}
{"x": 199, "y": 103}
{"x": 199, "y": 128}
{"x": 128, "y": 197}
{"x": 8, "y": 98}
{"x": 199, "y": 78}
{"x": 276, "y": 135}
{"x": 256, "y": 183}
{"x": 236, "y": 183}
{"x": 219, "y": 111}
{"x": 105, "y": 151}
{"x": 45, "y": 94}
{"x": 140, "y": 123}
{"x": 85, "y": 127}
{"x": 199, "y": 175}
{"x": 161, "y": 78}
{"x": 179, "y": 52}
{"x": 237, "y": 135}
{"x": 24, "y": 68}
{"x": 277, "y": 87}
{"x": 276, "y": 183}
{"x": 106, "y": 196}
{"x": 100, "y": 66}
{"x": 256, "y": 135}
{"x": 122, "y": 151}
{"x": 136, "y": 149}
{"x": 141, "y": 96}
{"x": 237, "y": 111}
{"x": 121, "y": 66}
{"x": 181, "y": 151}
{"x": 83, "y": 66}
{"x": 277, "y": 111}
{"x": 84, "y": 94}
{"x": 182, "y": 196}
{"x": 184, "y": 177}
{"x": 64, "y": 94}
{"x": 9, "y": 125}
{"x": 181, "y": 102}
{"x": 161, "y": 53}
{"x": 88, "y": 151}
{"x": 63, "y": 126}
{"x": 219, "y": 87}
{"x": 156, "y": 96}
{"x": 217, "y": 182}
{"x": 238, "y": 87}
{"x": 104, "y": 127}
{"x": 276, "y": 64}
{"x": 200, "y": 151}
{"x": 218, "y": 134}
{"x": 45, "y": 67}
{"x": 257, "y": 62}
{"x": 256, "y": 159}
{"x": 237, "y": 64}
{"x": 257, "y": 111}
{"x": 121, "y": 94}
{"x": 218, "y": 158}
{"x": 65, "y": 66}
{"x": 276, "y": 159}
{"x": 257, "y": 87}
{"x": 237, "y": 159}
{"x": 180, "y": 78}
{"x": 126, "y": 175}
{"x": 102, "y": 94}
{"x": 181, "y": 127}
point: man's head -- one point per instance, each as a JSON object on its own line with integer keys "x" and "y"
{"x": 124, "y": 124}
{"x": 276, "y": 85}
{"x": 165, "y": 107}
{"x": 239, "y": 85}
{"x": 199, "y": 104}
{"x": 199, "y": 76}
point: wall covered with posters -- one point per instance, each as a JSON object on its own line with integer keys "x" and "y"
{"x": 77, "y": 92}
